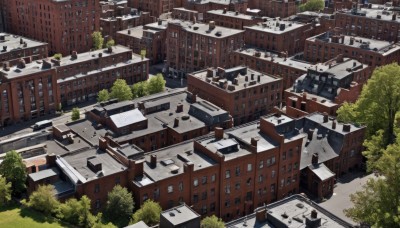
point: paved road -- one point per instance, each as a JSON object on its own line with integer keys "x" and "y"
{"x": 340, "y": 199}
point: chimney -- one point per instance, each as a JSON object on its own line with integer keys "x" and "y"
{"x": 51, "y": 160}
{"x": 188, "y": 167}
{"x": 342, "y": 39}
{"x": 159, "y": 22}
{"x": 314, "y": 159}
{"x": 219, "y": 133}
{"x": 325, "y": 117}
{"x": 179, "y": 107}
{"x": 210, "y": 72}
{"x": 129, "y": 31}
{"x": 310, "y": 134}
{"x": 194, "y": 98}
{"x": 339, "y": 58}
{"x": 236, "y": 13}
{"x": 74, "y": 55}
{"x": 141, "y": 105}
{"x": 211, "y": 25}
{"x": 153, "y": 160}
{"x": 4, "y": 48}
{"x": 354, "y": 64}
{"x": 394, "y": 16}
{"x": 138, "y": 168}
{"x": 246, "y": 78}
{"x": 109, "y": 49}
{"x": 333, "y": 124}
{"x": 304, "y": 96}
{"x": 224, "y": 11}
{"x": 314, "y": 214}
{"x": 252, "y": 77}
{"x": 6, "y": 66}
{"x": 21, "y": 63}
{"x": 346, "y": 127}
{"x": 21, "y": 41}
{"x": 261, "y": 215}
{"x": 102, "y": 143}
{"x": 176, "y": 122}
{"x": 100, "y": 55}
{"x": 258, "y": 78}
{"x": 254, "y": 141}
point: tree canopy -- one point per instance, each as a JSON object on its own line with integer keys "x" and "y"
{"x": 14, "y": 170}
{"x": 43, "y": 200}
{"x": 110, "y": 43}
{"x": 119, "y": 206}
{"x": 76, "y": 114}
{"x": 312, "y": 5}
{"x": 212, "y": 222}
{"x": 103, "y": 95}
{"x": 156, "y": 84}
{"x": 5, "y": 191}
{"x": 139, "y": 89}
{"x": 121, "y": 91}
{"x": 98, "y": 40}
{"x": 149, "y": 213}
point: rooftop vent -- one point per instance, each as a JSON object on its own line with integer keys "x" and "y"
{"x": 94, "y": 164}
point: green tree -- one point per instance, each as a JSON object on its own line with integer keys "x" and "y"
{"x": 76, "y": 114}
{"x": 312, "y": 5}
{"x": 149, "y": 213}
{"x": 98, "y": 40}
{"x": 103, "y": 95}
{"x": 119, "y": 206}
{"x": 5, "y": 191}
{"x": 139, "y": 89}
{"x": 110, "y": 43}
{"x": 378, "y": 204}
{"x": 70, "y": 211}
{"x": 14, "y": 170}
{"x": 121, "y": 91}
{"x": 43, "y": 200}
{"x": 212, "y": 222}
{"x": 156, "y": 84}
{"x": 374, "y": 149}
{"x": 347, "y": 113}
{"x": 57, "y": 56}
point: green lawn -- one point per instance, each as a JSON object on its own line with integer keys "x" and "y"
{"x": 13, "y": 216}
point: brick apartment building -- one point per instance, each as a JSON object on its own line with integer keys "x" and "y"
{"x": 15, "y": 48}
{"x": 326, "y": 86}
{"x": 65, "y": 25}
{"x": 278, "y": 36}
{"x": 228, "y": 174}
{"x": 203, "y": 6}
{"x": 117, "y": 16}
{"x": 155, "y": 7}
{"x": 43, "y": 85}
{"x": 231, "y": 19}
{"x": 325, "y": 46}
{"x": 279, "y": 65}
{"x": 322, "y": 22}
{"x": 186, "y": 14}
{"x": 374, "y": 23}
{"x": 246, "y": 94}
{"x": 160, "y": 120}
{"x": 274, "y": 8}
{"x": 150, "y": 37}
{"x": 192, "y": 47}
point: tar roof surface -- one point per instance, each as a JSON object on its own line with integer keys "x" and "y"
{"x": 212, "y": 144}
{"x": 230, "y": 14}
{"x": 86, "y": 129}
{"x": 13, "y": 43}
{"x": 372, "y": 13}
{"x": 321, "y": 171}
{"x": 273, "y": 26}
{"x": 179, "y": 214}
{"x": 203, "y": 29}
{"x": 43, "y": 174}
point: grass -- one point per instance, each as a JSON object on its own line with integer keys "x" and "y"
{"x": 15, "y": 216}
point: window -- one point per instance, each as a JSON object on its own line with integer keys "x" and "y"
{"x": 170, "y": 189}
{"x": 284, "y": 155}
{"x": 98, "y": 204}
{"x": 228, "y": 189}
{"x": 204, "y": 180}
{"x": 290, "y": 153}
{"x": 213, "y": 178}
{"x": 272, "y": 187}
{"x": 237, "y": 201}
{"x": 212, "y": 207}
{"x": 227, "y": 174}
{"x": 282, "y": 182}
{"x": 156, "y": 193}
{"x": 272, "y": 160}
{"x": 204, "y": 209}
{"x": 237, "y": 186}
{"x": 204, "y": 195}
{"x": 273, "y": 174}
{"x": 237, "y": 171}
{"x": 249, "y": 167}
{"x": 212, "y": 191}
{"x": 145, "y": 197}
{"x": 261, "y": 164}
{"x": 227, "y": 203}
{"x": 260, "y": 178}
{"x": 97, "y": 188}
{"x": 195, "y": 182}
{"x": 249, "y": 195}
{"x": 117, "y": 180}
{"x": 288, "y": 180}
{"x": 195, "y": 198}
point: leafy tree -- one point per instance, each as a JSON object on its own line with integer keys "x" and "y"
{"x": 374, "y": 149}
{"x": 121, "y": 91}
{"x": 312, "y": 5}
{"x": 14, "y": 170}
{"x": 76, "y": 114}
{"x": 156, "y": 84}
{"x": 103, "y": 95}
{"x": 119, "y": 206}
{"x": 110, "y": 43}
{"x": 77, "y": 212}
{"x": 98, "y": 40}
{"x": 212, "y": 222}
{"x": 5, "y": 191}
{"x": 378, "y": 204}
{"x": 149, "y": 213}
{"x": 139, "y": 89}
{"x": 57, "y": 56}
{"x": 43, "y": 200}
{"x": 347, "y": 113}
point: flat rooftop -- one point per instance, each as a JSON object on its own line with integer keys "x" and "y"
{"x": 272, "y": 57}
{"x": 385, "y": 13}
{"x": 230, "y": 14}
{"x": 276, "y": 26}
{"x": 218, "y": 32}
{"x": 379, "y": 46}
{"x": 170, "y": 162}
{"x": 340, "y": 69}
{"x": 13, "y": 43}
{"x": 180, "y": 214}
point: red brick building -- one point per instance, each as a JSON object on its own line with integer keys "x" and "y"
{"x": 328, "y": 45}
{"x": 117, "y": 16}
{"x": 65, "y": 25}
{"x": 192, "y": 47}
{"x": 150, "y": 37}
{"x": 155, "y": 7}
{"x": 274, "y": 8}
{"x": 373, "y": 23}
{"x": 246, "y": 94}
{"x": 279, "y": 65}
{"x": 203, "y": 6}
{"x": 326, "y": 87}
{"x": 186, "y": 14}
{"x": 15, "y": 48}
{"x": 278, "y": 36}
{"x": 231, "y": 19}
{"x": 229, "y": 174}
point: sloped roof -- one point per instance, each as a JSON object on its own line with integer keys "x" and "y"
{"x": 323, "y": 172}
{"x": 127, "y": 118}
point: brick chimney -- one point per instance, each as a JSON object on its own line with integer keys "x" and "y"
{"x": 333, "y": 124}
{"x": 339, "y": 58}
{"x": 74, "y": 55}
{"x": 176, "y": 122}
{"x": 254, "y": 141}
{"x": 211, "y": 25}
{"x": 138, "y": 168}
{"x": 51, "y": 160}
{"x": 21, "y": 63}
{"x": 153, "y": 160}
{"x": 310, "y": 134}
{"x": 194, "y": 98}
{"x": 179, "y": 107}
{"x": 219, "y": 133}
{"x": 314, "y": 159}
{"x": 261, "y": 215}
{"x": 6, "y": 66}
{"x": 346, "y": 127}
{"x": 326, "y": 117}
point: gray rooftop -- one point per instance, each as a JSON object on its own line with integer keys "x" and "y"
{"x": 44, "y": 174}
{"x": 385, "y": 13}
{"x": 218, "y": 32}
{"x": 276, "y": 26}
{"x": 140, "y": 224}
{"x": 179, "y": 214}
{"x": 323, "y": 172}
{"x": 125, "y": 119}
{"x": 12, "y": 42}
{"x": 230, "y": 14}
